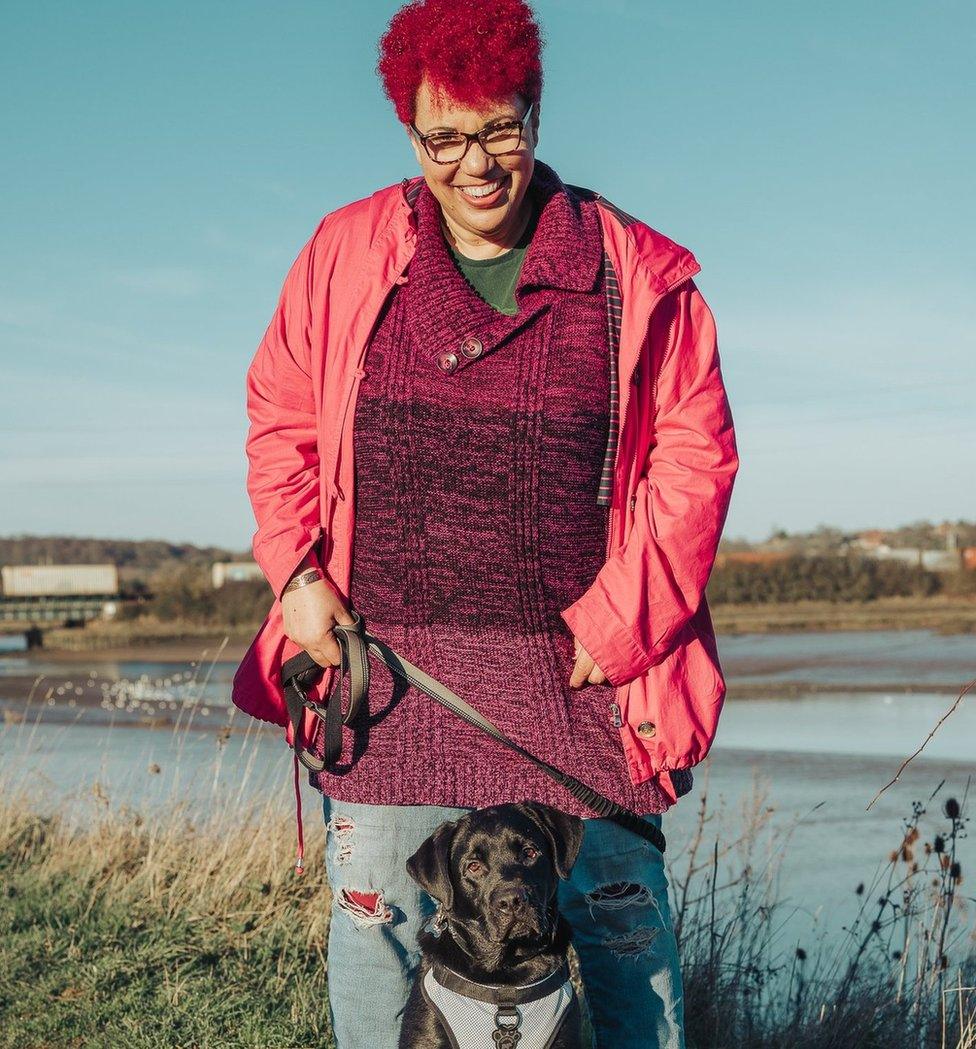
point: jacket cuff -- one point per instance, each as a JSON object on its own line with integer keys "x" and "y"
{"x": 611, "y": 644}
{"x": 281, "y": 562}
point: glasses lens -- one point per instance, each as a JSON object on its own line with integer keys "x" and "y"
{"x": 503, "y": 138}
{"x": 445, "y": 148}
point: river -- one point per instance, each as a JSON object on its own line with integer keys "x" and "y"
{"x": 815, "y": 758}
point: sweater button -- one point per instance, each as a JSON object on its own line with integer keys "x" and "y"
{"x": 447, "y": 361}
{"x": 646, "y": 730}
{"x": 472, "y": 347}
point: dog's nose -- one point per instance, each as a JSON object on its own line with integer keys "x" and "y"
{"x": 511, "y": 899}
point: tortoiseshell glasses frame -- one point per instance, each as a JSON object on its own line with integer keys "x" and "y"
{"x": 496, "y": 138}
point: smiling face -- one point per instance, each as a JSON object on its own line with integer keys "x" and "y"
{"x": 481, "y": 225}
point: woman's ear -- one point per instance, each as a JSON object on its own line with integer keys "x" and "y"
{"x": 430, "y": 865}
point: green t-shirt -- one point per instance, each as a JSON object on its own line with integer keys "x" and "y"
{"x": 495, "y": 279}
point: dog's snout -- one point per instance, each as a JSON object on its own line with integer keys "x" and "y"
{"x": 511, "y": 899}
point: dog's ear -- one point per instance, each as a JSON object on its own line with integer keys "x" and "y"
{"x": 430, "y": 868}
{"x": 565, "y": 833}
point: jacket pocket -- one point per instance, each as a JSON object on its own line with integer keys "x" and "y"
{"x": 672, "y": 710}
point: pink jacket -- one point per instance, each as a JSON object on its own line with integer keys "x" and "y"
{"x": 644, "y": 619}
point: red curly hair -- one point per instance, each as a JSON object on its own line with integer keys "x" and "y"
{"x": 475, "y": 51}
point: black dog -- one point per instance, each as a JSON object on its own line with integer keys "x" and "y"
{"x": 494, "y": 972}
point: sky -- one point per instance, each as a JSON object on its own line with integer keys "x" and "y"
{"x": 163, "y": 164}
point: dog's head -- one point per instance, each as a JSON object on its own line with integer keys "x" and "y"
{"x": 500, "y": 866}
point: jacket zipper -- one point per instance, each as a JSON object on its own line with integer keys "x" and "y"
{"x": 632, "y": 502}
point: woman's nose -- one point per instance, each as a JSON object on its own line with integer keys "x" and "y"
{"x": 476, "y": 161}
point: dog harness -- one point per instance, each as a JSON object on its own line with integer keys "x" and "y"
{"x": 498, "y": 1016}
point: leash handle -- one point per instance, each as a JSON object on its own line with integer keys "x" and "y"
{"x": 301, "y": 672}
{"x": 355, "y": 643}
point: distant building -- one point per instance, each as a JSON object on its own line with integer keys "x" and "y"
{"x": 234, "y": 572}
{"x": 60, "y": 580}
{"x": 58, "y": 593}
{"x": 933, "y": 560}
{"x": 869, "y": 540}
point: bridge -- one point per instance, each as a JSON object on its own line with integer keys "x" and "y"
{"x": 17, "y": 613}
{"x": 49, "y": 595}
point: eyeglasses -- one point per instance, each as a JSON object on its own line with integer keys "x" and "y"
{"x": 496, "y": 139}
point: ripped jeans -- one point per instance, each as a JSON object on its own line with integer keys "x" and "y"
{"x": 616, "y": 901}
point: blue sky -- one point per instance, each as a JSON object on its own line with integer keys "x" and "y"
{"x": 163, "y": 164}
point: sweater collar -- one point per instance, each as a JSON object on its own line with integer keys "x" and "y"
{"x": 566, "y": 249}
{"x": 451, "y": 321}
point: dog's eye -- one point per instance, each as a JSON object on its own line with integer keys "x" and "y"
{"x": 475, "y": 867}
{"x": 530, "y": 853}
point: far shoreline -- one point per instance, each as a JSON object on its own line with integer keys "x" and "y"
{"x": 135, "y": 641}
{"x": 181, "y": 652}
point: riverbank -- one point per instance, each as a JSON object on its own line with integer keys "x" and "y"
{"x": 155, "y": 688}
{"x": 165, "y": 641}
{"x": 184, "y": 651}
{"x": 177, "y": 642}
{"x": 943, "y": 615}
{"x": 161, "y": 928}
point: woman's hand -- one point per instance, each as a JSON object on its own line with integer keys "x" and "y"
{"x": 585, "y": 671}
{"x": 310, "y": 614}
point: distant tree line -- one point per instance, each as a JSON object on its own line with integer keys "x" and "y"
{"x": 829, "y": 579}
{"x": 827, "y": 540}
{"x": 187, "y": 594}
{"x": 134, "y": 557}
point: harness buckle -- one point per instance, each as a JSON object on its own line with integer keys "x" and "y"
{"x": 507, "y": 1022}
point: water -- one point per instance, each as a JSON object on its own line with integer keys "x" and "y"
{"x": 817, "y": 759}
{"x": 908, "y": 657}
{"x": 95, "y": 682}
{"x": 856, "y": 724}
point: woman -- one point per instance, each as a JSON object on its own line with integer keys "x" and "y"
{"x": 488, "y": 414}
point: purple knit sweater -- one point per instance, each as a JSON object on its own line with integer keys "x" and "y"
{"x": 479, "y": 440}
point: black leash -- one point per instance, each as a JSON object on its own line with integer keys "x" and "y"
{"x": 300, "y": 672}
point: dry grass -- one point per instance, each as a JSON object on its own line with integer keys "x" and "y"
{"x": 180, "y": 926}
{"x": 901, "y": 973}
{"x": 239, "y": 879}
{"x": 187, "y": 926}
